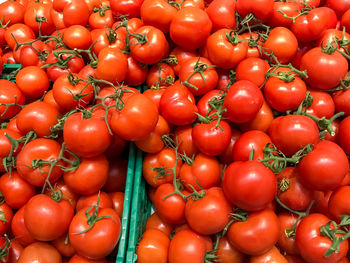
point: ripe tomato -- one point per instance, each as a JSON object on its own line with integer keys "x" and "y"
{"x": 339, "y": 6}
{"x": 39, "y": 11}
{"x": 7, "y": 150}
{"x": 222, "y": 14}
{"x": 19, "y": 229}
{"x": 86, "y": 201}
{"x": 291, "y": 9}
{"x": 80, "y": 259}
{"x": 118, "y": 202}
{"x": 179, "y": 56}
{"x": 293, "y": 132}
{"x": 286, "y": 240}
{"x": 227, "y": 253}
{"x": 155, "y": 222}
{"x": 79, "y": 130}
{"x": 77, "y": 36}
{"x": 345, "y": 21}
{"x": 129, "y": 8}
{"x": 44, "y": 150}
{"x": 15, "y": 190}
{"x": 240, "y": 94}
{"x": 38, "y": 117}
{"x": 67, "y": 193}
{"x": 10, "y": 93}
{"x": 324, "y": 167}
{"x": 226, "y": 49}
{"x": 55, "y": 217}
{"x": 101, "y": 18}
{"x": 6, "y": 215}
{"x": 240, "y": 181}
{"x": 34, "y": 55}
{"x": 337, "y": 204}
{"x": 99, "y": 239}
{"x": 153, "y": 247}
{"x": 116, "y": 177}
{"x": 312, "y": 244}
{"x": 325, "y": 71}
{"x": 137, "y": 73}
{"x": 261, "y": 9}
{"x": 12, "y": 12}
{"x": 185, "y": 22}
{"x": 252, "y": 69}
{"x": 262, "y": 120}
{"x": 257, "y": 235}
{"x": 20, "y": 32}
{"x": 160, "y": 75}
{"x": 32, "y": 81}
{"x": 227, "y": 156}
{"x": 105, "y": 37}
{"x": 89, "y": 177}
{"x": 75, "y": 12}
{"x": 64, "y": 246}
{"x": 322, "y": 104}
{"x": 273, "y": 255}
{"x": 343, "y": 135}
{"x": 40, "y": 252}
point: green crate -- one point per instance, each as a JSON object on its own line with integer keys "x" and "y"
{"x": 140, "y": 210}
{"x": 125, "y": 220}
{"x": 7, "y": 69}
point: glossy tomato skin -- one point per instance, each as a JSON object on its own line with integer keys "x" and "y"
{"x": 6, "y": 218}
{"x": 273, "y": 255}
{"x": 227, "y": 253}
{"x": 78, "y": 133}
{"x": 101, "y": 239}
{"x": 257, "y": 235}
{"x": 155, "y": 222}
{"x": 240, "y": 181}
{"x": 104, "y": 37}
{"x": 289, "y": 8}
{"x": 345, "y": 21}
{"x": 239, "y": 94}
{"x": 322, "y": 104}
{"x": 19, "y": 229}
{"x": 21, "y": 32}
{"x": 210, "y": 214}
{"x": 312, "y": 245}
{"x": 55, "y": 217}
{"x": 291, "y": 133}
{"x": 9, "y": 93}
{"x": 177, "y": 98}
{"x": 63, "y": 246}
{"x": 118, "y": 202}
{"x": 153, "y": 247}
{"x": 136, "y": 74}
{"x": 325, "y": 71}
{"x": 262, "y": 9}
{"x": 252, "y": 69}
{"x": 227, "y": 156}
{"x": 210, "y": 139}
{"x": 86, "y": 201}
{"x": 37, "y": 10}
{"x": 12, "y": 12}
{"x": 324, "y": 168}
{"x": 343, "y": 136}
{"x": 40, "y": 252}
{"x": 287, "y": 242}
{"x": 181, "y": 55}
{"x": 44, "y": 149}
{"x": 186, "y": 21}
{"x": 338, "y": 203}
{"x": 222, "y": 14}
{"x": 125, "y": 7}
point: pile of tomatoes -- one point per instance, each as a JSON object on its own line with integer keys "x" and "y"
{"x": 242, "y": 108}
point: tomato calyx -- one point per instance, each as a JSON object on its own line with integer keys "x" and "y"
{"x": 93, "y": 217}
{"x": 283, "y": 185}
{"x": 331, "y": 232}
{"x": 101, "y": 10}
{"x": 4, "y": 249}
{"x": 175, "y": 4}
{"x": 277, "y": 161}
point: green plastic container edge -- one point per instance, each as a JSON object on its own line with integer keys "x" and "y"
{"x": 7, "y": 69}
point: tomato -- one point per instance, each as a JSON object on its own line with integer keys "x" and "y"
{"x": 291, "y": 192}
{"x": 10, "y": 93}
{"x": 39, "y": 11}
{"x": 57, "y": 19}
{"x": 321, "y": 202}
{"x": 19, "y": 229}
{"x": 118, "y": 202}
{"x": 155, "y": 94}
{"x": 261, "y": 9}
{"x": 294, "y": 259}
{"x": 79, "y": 131}
{"x": 183, "y": 135}
{"x": 322, "y": 104}
{"x": 293, "y": 132}
{"x": 312, "y": 244}
{"x": 203, "y": 173}
{"x": 257, "y": 235}
{"x": 222, "y": 14}
{"x": 340, "y": 99}
{"x": 337, "y": 204}
{"x": 333, "y": 35}
{"x": 343, "y": 136}
{"x": 105, "y": 37}
{"x": 76, "y": 12}
{"x": 40, "y": 252}
{"x": 227, "y": 253}
{"x": 284, "y": 95}
{"x": 291, "y": 9}
{"x": 116, "y": 177}
{"x": 154, "y": 143}
{"x": 39, "y": 150}
{"x": 156, "y": 166}
{"x": 136, "y": 74}
{"x": 240, "y": 94}
{"x": 226, "y": 49}
{"x": 101, "y": 18}
{"x": 20, "y": 32}
{"x": 252, "y": 69}
{"x": 6, "y": 215}
{"x": 282, "y": 43}
{"x": 177, "y": 98}
{"x": 86, "y": 201}
{"x": 262, "y": 120}
{"x": 87, "y": 71}
{"x": 33, "y": 56}
{"x": 240, "y": 181}
{"x": 90, "y": 176}
{"x": 16, "y": 249}
{"x": 185, "y": 22}
{"x": 324, "y": 168}
{"x": 152, "y": 50}
{"x": 108, "y": 59}
{"x": 129, "y": 8}
{"x": 8, "y": 149}
{"x": 248, "y": 141}
{"x": 286, "y": 241}
{"x": 8, "y": 58}
{"x": 203, "y": 104}
{"x": 80, "y": 259}
{"x": 153, "y": 247}
{"x": 171, "y": 209}
{"x": 317, "y": 64}
{"x": 345, "y": 21}
{"x": 187, "y": 246}
{"x": 63, "y": 246}
{"x": 227, "y": 156}
{"x": 160, "y": 75}
{"x": 100, "y": 239}
{"x": 155, "y": 222}
{"x": 339, "y": 6}
{"x": 69, "y": 93}
{"x": 210, "y": 214}
{"x": 180, "y": 55}
{"x": 38, "y": 117}
{"x": 67, "y": 193}
{"x": 272, "y": 255}
{"x": 32, "y": 81}
{"x": 77, "y": 36}
{"x": 12, "y": 12}
{"x": 15, "y": 190}
{"x": 137, "y": 119}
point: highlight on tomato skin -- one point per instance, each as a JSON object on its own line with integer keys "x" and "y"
{"x": 174, "y": 131}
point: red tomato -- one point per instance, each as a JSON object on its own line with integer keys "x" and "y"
{"x": 86, "y": 201}
{"x": 118, "y": 202}
{"x": 252, "y": 69}
{"x": 227, "y": 156}
{"x": 345, "y": 21}
{"x": 286, "y": 240}
{"x": 75, "y": 12}
{"x": 20, "y": 32}
{"x": 116, "y": 177}
{"x": 32, "y": 81}
{"x": 63, "y": 246}
{"x": 137, "y": 73}
{"x": 77, "y": 36}
{"x": 105, "y": 37}
{"x": 8, "y": 149}
{"x": 322, "y": 104}
{"x": 227, "y": 253}
{"x": 324, "y": 167}
{"x": 101, "y": 18}
{"x": 338, "y": 203}
{"x": 257, "y": 235}
{"x": 155, "y": 222}
{"x": 39, "y": 11}
{"x": 19, "y": 229}
{"x": 261, "y": 9}
{"x": 6, "y": 215}
{"x": 160, "y": 75}
{"x": 185, "y": 22}
{"x": 125, "y": 7}
{"x": 339, "y": 6}
{"x": 240, "y": 181}
{"x": 343, "y": 136}
{"x": 40, "y": 252}
{"x": 12, "y": 12}
{"x": 291, "y": 9}
{"x": 183, "y": 134}
{"x": 222, "y": 14}
{"x": 34, "y": 55}
{"x": 179, "y": 56}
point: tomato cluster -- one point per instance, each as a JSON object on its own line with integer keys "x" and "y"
{"x": 244, "y": 119}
